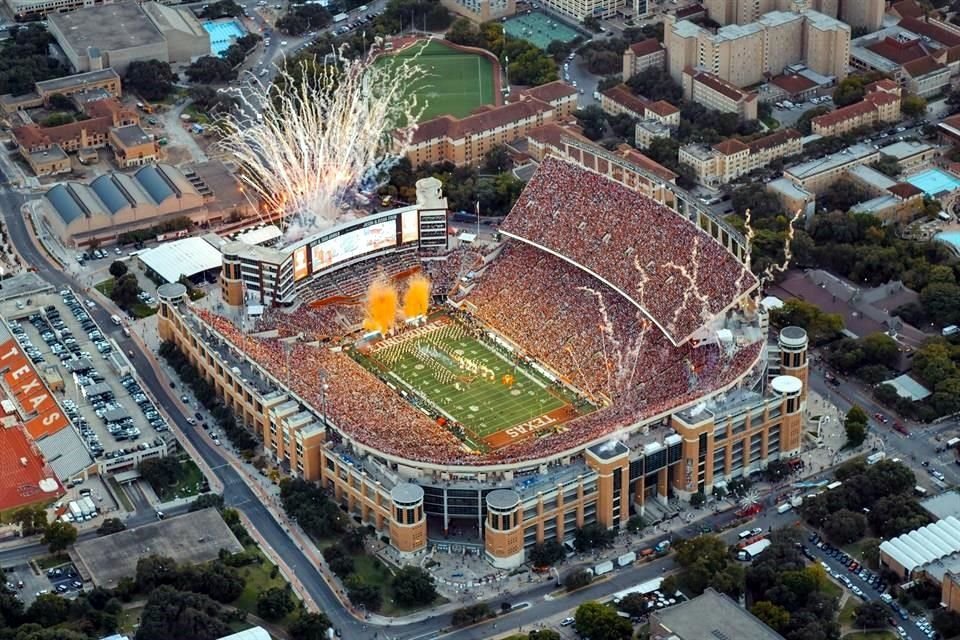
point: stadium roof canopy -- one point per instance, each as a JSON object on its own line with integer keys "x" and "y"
{"x": 924, "y": 545}
{"x": 187, "y": 257}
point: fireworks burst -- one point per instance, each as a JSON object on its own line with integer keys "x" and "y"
{"x": 774, "y": 269}
{"x": 321, "y": 135}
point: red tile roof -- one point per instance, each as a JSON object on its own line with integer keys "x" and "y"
{"x": 885, "y": 84}
{"x": 907, "y": 8}
{"x": 898, "y": 52}
{"x": 646, "y": 47}
{"x": 621, "y": 95}
{"x": 552, "y": 91}
{"x": 922, "y": 66}
{"x": 880, "y": 98}
{"x": 845, "y": 113}
{"x": 775, "y": 139}
{"x": 662, "y": 108}
{"x": 553, "y": 134}
{"x": 904, "y": 190}
{"x": 717, "y": 84}
{"x": 731, "y": 146}
{"x": 450, "y": 127}
{"x": 932, "y": 29}
{"x": 793, "y": 84}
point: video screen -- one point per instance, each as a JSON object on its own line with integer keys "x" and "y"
{"x": 300, "y": 269}
{"x": 410, "y": 229}
{"x": 354, "y": 243}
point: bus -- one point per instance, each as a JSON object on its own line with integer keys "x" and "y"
{"x": 833, "y": 485}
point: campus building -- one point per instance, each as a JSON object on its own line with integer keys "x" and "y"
{"x": 747, "y": 54}
{"x": 464, "y": 141}
{"x": 133, "y": 147}
{"x": 646, "y": 54}
{"x": 104, "y": 82}
{"x": 814, "y": 176}
{"x": 716, "y": 93}
{"x": 880, "y": 105}
{"x": 732, "y": 158}
{"x": 114, "y": 35}
{"x": 481, "y": 10}
{"x": 620, "y": 100}
{"x": 115, "y": 203}
{"x": 45, "y": 148}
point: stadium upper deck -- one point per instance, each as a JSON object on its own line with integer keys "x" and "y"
{"x": 679, "y": 276}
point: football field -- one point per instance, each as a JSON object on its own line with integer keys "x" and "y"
{"x": 469, "y": 382}
{"x": 455, "y": 83}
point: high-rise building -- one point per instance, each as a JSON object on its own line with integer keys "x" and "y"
{"x": 863, "y": 14}
{"x": 747, "y": 54}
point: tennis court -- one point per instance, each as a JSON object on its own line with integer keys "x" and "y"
{"x": 455, "y": 82}
{"x": 539, "y": 29}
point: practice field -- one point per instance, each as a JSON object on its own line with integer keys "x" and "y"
{"x": 468, "y": 381}
{"x": 456, "y": 83}
{"x": 539, "y": 29}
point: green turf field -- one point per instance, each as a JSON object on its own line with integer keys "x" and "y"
{"x": 427, "y": 364}
{"x": 455, "y": 84}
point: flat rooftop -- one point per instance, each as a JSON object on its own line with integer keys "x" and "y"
{"x": 712, "y": 615}
{"x": 854, "y": 153}
{"x": 191, "y": 539}
{"x": 109, "y": 27}
{"x": 79, "y": 79}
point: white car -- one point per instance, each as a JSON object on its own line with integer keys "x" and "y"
{"x": 283, "y": 43}
{"x": 566, "y": 622}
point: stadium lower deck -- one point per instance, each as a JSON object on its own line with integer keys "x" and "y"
{"x": 482, "y": 391}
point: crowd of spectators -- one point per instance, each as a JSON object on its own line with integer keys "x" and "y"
{"x": 678, "y": 274}
{"x": 312, "y": 322}
{"x": 557, "y": 314}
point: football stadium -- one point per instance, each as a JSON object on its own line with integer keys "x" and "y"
{"x": 604, "y": 355}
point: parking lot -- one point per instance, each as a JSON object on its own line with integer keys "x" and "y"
{"x": 26, "y": 583}
{"x": 864, "y": 584}
{"x": 101, "y": 397}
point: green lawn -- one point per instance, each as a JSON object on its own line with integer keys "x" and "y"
{"x": 870, "y": 635}
{"x": 374, "y": 572}
{"x": 846, "y": 613}
{"x": 188, "y": 485}
{"x": 258, "y": 580}
{"x": 832, "y": 589}
{"x": 105, "y": 287}
{"x": 455, "y": 83}
{"x": 451, "y": 369}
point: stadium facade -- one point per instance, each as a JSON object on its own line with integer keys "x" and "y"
{"x": 500, "y": 503}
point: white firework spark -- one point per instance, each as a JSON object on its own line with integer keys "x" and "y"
{"x": 773, "y": 269}
{"x": 322, "y": 134}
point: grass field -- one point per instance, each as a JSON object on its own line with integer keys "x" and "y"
{"x": 455, "y": 84}
{"x": 463, "y": 378}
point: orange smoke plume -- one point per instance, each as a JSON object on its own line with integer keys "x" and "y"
{"x": 381, "y": 307}
{"x": 416, "y": 300}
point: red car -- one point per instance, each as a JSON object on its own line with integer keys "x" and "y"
{"x": 897, "y": 426}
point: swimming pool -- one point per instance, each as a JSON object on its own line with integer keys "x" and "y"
{"x": 950, "y": 237}
{"x": 934, "y": 182}
{"x": 223, "y": 33}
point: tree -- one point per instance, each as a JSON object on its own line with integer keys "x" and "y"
{"x": 601, "y": 623}
{"x": 855, "y": 424}
{"x": 655, "y": 84}
{"x": 577, "y": 579}
{"x": 48, "y": 610}
{"x": 111, "y": 525}
{"x": 636, "y": 524}
{"x": 177, "y": 614}
{"x": 592, "y": 120}
{"x": 804, "y": 123}
{"x": 118, "y": 268}
{"x": 887, "y": 165}
{"x": 353, "y": 539}
{"x": 634, "y": 604}
{"x": 207, "y": 500}
{"x": 59, "y": 535}
{"x": 845, "y": 526}
{"x": 310, "y": 626}
{"x": 592, "y": 23}
{"x": 152, "y": 79}
{"x": 275, "y": 603}
{"x": 338, "y": 560}
{"x": 463, "y": 31}
{"x": 592, "y": 536}
{"x": 543, "y": 634}
{"x": 125, "y": 291}
{"x": 913, "y": 106}
{"x": 497, "y": 160}
{"x": 871, "y": 615}
{"x": 697, "y": 500}
{"x": 222, "y": 9}
{"x": 57, "y": 119}
{"x": 25, "y": 59}
{"x": 775, "y": 617}
{"x": 946, "y": 622}
{"x": 546, "y": 553}
{"x": 412, "y": 585}
{"x": 160, "y": 472}
{"x": 850, "y": 90}
{"x": 210, "y": 70}
{"x": 363, "y": 593}
{"x": 820, "y": 327}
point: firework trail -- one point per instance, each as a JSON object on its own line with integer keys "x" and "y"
{"x": 624, "y": 357}
{"x": 693, "y": 291}
{"x": 747, "y": 224}
{"x": 323, "y": 134}
{"x": 774, "y": 269}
